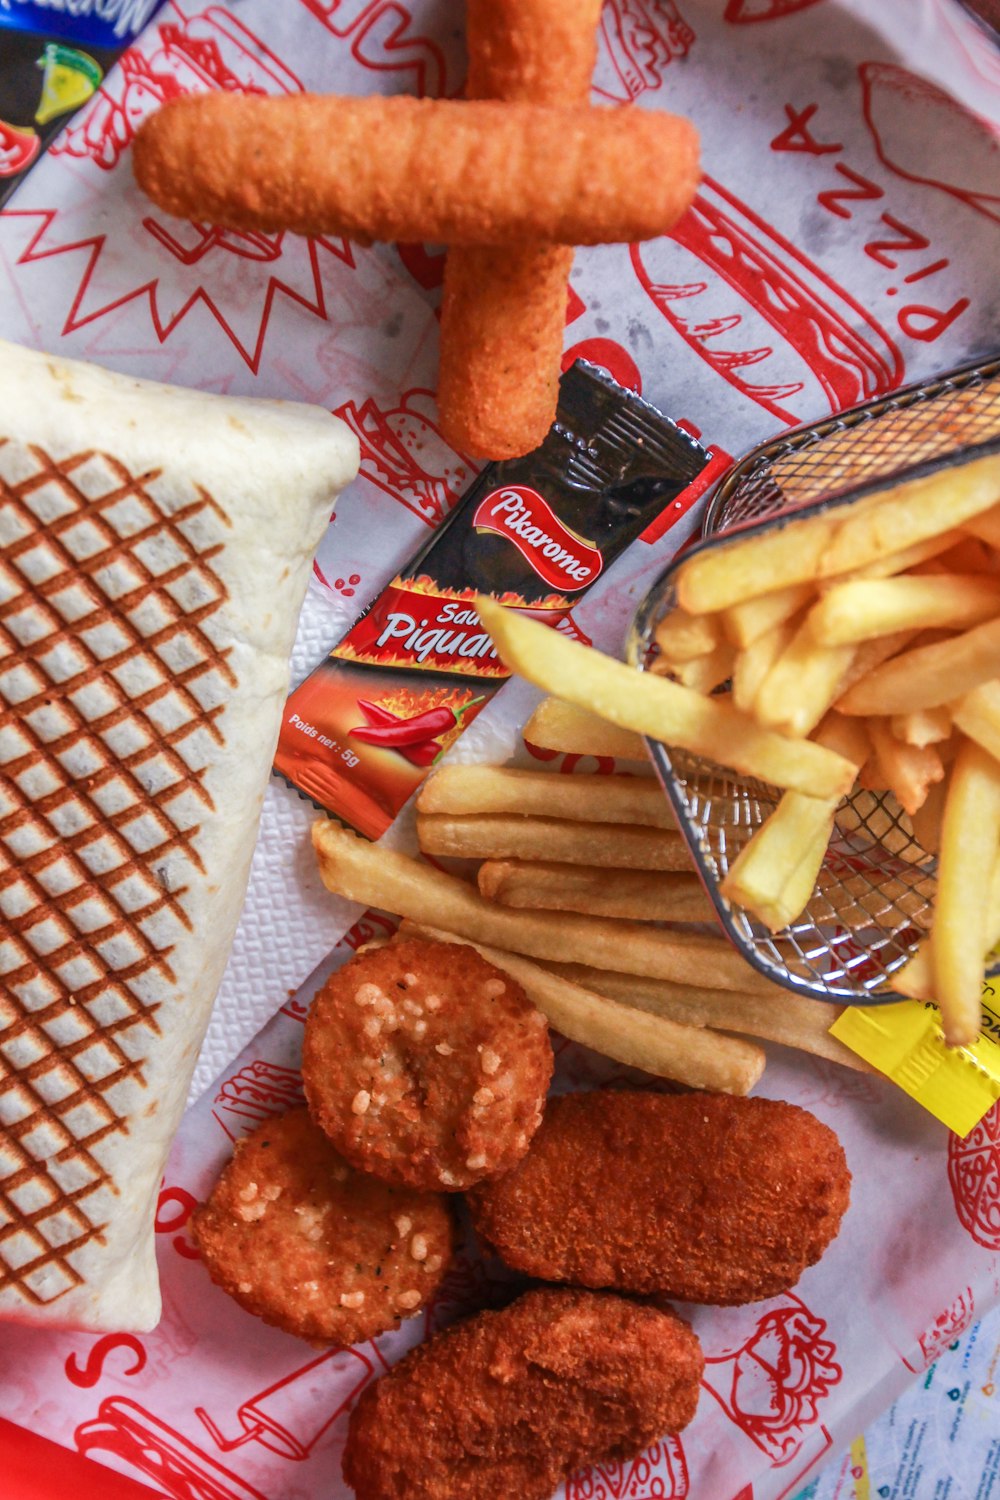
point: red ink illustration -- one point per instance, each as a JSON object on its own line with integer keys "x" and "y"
{"x": 88, "y": 1374}
{"x": 403, "y": 452}
{"x": 140, "y": 1440}
{"x": 741, "y": 12}
{"x": 924, "y": 135}
{"x": 772, "y": 1384}
{"x": 767, "y": 319}
{"x": 658, "y": 1474}
{"x": 174, "y": 1208}
{"x": 257, "y": 1092}
{"x": 974, "y": 1174}
{"x": 180, "y": 55}
{"x": 210, "y": 51}
{"x": 946, "y": 1328}
{"x": 638, "y": 40}
{"x": 290, "y": 1417}
{"x": 381, "y": 39}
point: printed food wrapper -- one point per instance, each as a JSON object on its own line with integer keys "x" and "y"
{"x": 843, "y": 241}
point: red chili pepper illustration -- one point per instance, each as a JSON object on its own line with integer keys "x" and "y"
{"x": 402, "y": 732}
{"x": 424, "y": 754}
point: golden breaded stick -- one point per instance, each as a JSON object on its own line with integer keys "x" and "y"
{"x": 636, "y": 895}
{"x": 590, "y": 799}
{"x": 502, "y": 318}
{"x": 779, "y": 1016}
{"x": 474, "y": 172}
{"x": 613, "y": 846}
{"x": 352, "y": 867}
{"x": 541, "y": 50}
{"x": 657, "y": 1044}
{"x": 664, "y": 710}
{"x": 569, "y": 729}
{"x": 504, "y": 310}
{"x": 832, "y": 542}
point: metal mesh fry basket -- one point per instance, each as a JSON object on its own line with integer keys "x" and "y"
{"x": 875, "y": 891}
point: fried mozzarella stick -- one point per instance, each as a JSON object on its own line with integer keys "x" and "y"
{"x": 504, "y": 310}
{"x": 444, "y": 170}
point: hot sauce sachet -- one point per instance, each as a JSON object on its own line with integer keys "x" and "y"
{"x": 360, "y": 734}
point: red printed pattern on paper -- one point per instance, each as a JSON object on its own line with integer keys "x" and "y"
{"x": 772, "y": 1385}
{"x": 658, "y": 1474}
{"x": 974, "y": 1174}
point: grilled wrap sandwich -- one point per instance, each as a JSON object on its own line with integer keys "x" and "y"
{"x": 155, "y": 546}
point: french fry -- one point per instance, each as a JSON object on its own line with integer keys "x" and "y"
{"x": 691, "y": 1055}
{"x": 802, "y": 684}
{"x": 927, "y": 819}
{"x": 775, "y": 874}
{"x": 927, "y": 676}
{"x": 681, "y": 636}
{"x": 926, "y": 726}
{"x": 590, "y": 799}
{"x": 663, "y": 710}
{"x": 832, "y": 542}
{"x": 871, "y": 654}
{"x": 570, "y": 729}
{"x": 636, "y": 895}
{"x": 916, "y": 977}
{"x": 779, "y": 1016}
{"x": 986, "y": 526}
{"x": 870, "y": 607}
{"x": 754, "y": 663}
{"x": 970, "y": 837}
{"x": 977, "y": 714}
{"x": 747, "y": 620}
{"x": 908, "y": 771}
{"x": 613, "y": 846}
{"x": 359, "y": 871}
{"x": 503, "y": 173}
{"x": 703, "y": 673}
{"x": 891, "y": 563}
{"x": 968, "y": 555}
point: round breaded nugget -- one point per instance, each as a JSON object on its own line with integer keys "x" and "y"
{"x": 701, "y": 1197}
{"x": 508, "y": 1403}
{"x": 297, "y": 1236}
{"x": 426, "y": 1065}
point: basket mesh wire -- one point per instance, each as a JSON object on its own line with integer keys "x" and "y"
{"x": 875, "y": 892}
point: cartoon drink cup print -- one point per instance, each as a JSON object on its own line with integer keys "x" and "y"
{"x": 364, "y": 729}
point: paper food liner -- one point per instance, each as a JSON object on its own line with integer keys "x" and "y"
{"x": 843, "y": 242}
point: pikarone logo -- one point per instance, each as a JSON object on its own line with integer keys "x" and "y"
{"x": 566, "y": 561}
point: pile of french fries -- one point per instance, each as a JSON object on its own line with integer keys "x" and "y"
{"x": 578, "y": 875}
{"x": 861, "y": 648}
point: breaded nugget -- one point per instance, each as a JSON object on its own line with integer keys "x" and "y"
{"x": 702, "y": 1197}
{"x": 298, "y": 1237}
{"x": 509, "y": 1403}
{"x": 451, "y": 171}
{"x": 426, "y": 1065}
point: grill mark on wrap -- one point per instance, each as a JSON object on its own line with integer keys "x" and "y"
{"x": 40, "y": 1139}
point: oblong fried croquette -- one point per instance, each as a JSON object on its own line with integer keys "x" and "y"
{"x": 509, "y": 1403}
{"x": 503, "y": 310}
{"x": 300, "y": 1238}
{"x": 426, "y": 1065}
{"x": 441, "y": 170}
{"x": 701, "y": 1197}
